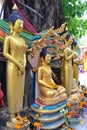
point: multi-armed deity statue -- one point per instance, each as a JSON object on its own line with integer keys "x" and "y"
{"x": 15, "y": 52}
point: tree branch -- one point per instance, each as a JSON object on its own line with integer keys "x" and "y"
{"x": 34, "y": 11}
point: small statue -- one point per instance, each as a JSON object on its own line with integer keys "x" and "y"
{"x": 15, "y": 52}
{"x": 74, "y": 88}
{"x": 48, "y": 91}
{"x": 1, "y": 96}
{"x": 75, "y": 91}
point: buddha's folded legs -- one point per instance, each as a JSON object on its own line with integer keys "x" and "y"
{"x": 51, "y": 101}
{"x": 61, "y": 90}
{"x": 52, "y": 93}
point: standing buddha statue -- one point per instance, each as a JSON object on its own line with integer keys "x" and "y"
{"x": 67, "y": 63}
{"x": 76, "y": 61}
{"x": 15, "y": 52}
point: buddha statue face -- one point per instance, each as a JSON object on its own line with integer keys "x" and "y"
{"x": 47, "y": 58}
{"x": 75, "y": 47}
{"x": 18, "y": 25}
{"x": 70, "y": 40}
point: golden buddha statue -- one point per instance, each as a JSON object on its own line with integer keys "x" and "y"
{"x": 76, "y": 62}
{"x": 49, "y": 92}
{"x": 15, "y": 52}
{"x": 67, "y": 64}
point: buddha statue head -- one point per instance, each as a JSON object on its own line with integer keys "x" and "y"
{"x": 45, "y": 56}
{"x": 15, "y": 20}
{"x": 74, "y": 45}
{"x": 68, "y": 39}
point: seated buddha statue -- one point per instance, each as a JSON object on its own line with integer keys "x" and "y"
{"x": 49, "y": 92}
{"x": 75, "y": 92}
{"x": 74, "y": 86}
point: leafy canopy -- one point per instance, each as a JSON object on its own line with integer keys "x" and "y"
{"x": 73, "y": 11}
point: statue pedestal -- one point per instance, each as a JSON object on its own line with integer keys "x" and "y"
{"x": 50, "y": 116}
{"x": 24, "y": 126}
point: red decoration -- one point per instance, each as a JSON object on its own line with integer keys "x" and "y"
{"x": 1, "y": 97}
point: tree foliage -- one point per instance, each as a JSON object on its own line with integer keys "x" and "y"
{"x": 73, "y": 11}
{"x": 54, "y": 13}
{"x": 50, "y": 10}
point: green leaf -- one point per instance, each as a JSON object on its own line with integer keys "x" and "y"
{"x": 73, "y": 11}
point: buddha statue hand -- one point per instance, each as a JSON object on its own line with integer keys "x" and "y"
{"x": 62, "y": 54}
{"x": 61, "y": 89}
{"x": 56, "y": 87}
{"x": 34, "y": 69}
{"x": 21, "y": 70}
{"x": 53, "y": 86}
